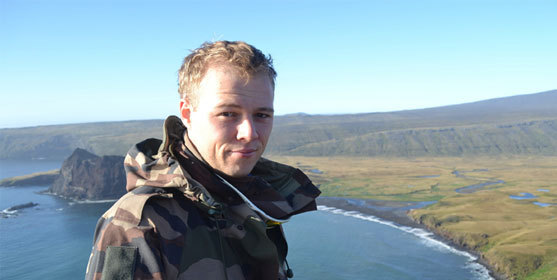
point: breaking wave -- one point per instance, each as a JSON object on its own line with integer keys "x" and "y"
{"x": 7, "y": 213}
{"x": 93, "y": 201}
{"x": 426, "y": 237}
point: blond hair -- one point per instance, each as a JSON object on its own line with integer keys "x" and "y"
{"x": 244, "y": 58}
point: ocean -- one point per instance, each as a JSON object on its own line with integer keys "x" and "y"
{"x": 53, "y": 240}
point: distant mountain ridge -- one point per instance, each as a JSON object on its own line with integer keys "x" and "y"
{"x": 492, "y": 125}
{"x": 521, "y": 124}
{"x": 534, "y": 137}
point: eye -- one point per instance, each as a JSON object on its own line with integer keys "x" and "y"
{"x": 263, "y": 115}
{"x": 228, "y": 114}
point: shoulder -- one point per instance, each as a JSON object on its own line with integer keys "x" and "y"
{"x": 287, "y": 180}
{"x": 130, "y": 207}
{"x": 291, "y": 183}
{"x": 154, "y": 208}
{"x": 125, "y": 234}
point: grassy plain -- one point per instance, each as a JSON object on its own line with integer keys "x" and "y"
{"x": 515, "y": 237}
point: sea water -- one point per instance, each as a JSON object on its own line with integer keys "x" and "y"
{"x": 337, "y": 244}
{"x": 53, "y": 240}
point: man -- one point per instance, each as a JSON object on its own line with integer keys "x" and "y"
{"x": 202, "y": 203}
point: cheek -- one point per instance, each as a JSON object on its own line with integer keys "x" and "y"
{"x": 265, "y": 131}
{"x": 221, "y": 134}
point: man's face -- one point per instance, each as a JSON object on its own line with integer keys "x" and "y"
{"x": 232, "y": 121}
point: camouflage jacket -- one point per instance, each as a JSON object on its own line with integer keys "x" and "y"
{"x": 180, "y": 221}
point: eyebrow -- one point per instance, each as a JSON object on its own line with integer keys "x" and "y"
{"x": 232, "y": 105}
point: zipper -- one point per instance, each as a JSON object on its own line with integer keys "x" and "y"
{"x": 216, "y": 212}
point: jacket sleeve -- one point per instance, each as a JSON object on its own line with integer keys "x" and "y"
{"x": 122, "y": 250}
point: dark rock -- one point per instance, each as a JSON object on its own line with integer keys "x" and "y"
{"x": 86, "y": 176}
{"x": 22, "y": 206}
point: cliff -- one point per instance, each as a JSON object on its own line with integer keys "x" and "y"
{"x": 86, "y": 176}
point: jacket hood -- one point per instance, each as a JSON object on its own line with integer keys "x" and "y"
{"x": 172, "y": 163}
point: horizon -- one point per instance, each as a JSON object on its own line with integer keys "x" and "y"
{"x": 283, "y": 115}
{"x": 103, "y": 61}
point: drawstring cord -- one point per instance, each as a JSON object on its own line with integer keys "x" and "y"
{"x": 270, "y": 221}
{"x": 289, "y": 272}
{"x": 251, "y": 205}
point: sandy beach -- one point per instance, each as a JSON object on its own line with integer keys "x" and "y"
{"x": 394, "y": 211}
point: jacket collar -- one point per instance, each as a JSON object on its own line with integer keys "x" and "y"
{"x": 278, "y": 189}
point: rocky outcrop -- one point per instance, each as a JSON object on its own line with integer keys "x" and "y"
{"x": 14, "y": 210}
{"x": 86, "y": 176}
{"x": 22, "y": 206}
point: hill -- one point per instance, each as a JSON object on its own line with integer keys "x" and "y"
{"x": 522, "y": 124}
{"x": 474, "y": 127}
{"x": 59, "y": 141}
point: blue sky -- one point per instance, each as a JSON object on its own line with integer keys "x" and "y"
{"x": 86, "y": 61}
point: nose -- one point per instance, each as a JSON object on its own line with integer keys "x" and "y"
{"x": 247, "y": 130}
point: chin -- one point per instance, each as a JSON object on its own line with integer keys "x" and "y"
{"x": 234, "y": 174}
{"x": 240, "y": 171}
{"x": 240, "y": 167}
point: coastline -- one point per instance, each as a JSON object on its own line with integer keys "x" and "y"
{"x": 396, "y": 212}
{"x": 79, "y": 201}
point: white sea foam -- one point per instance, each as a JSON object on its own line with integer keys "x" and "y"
{"x": 426, "y": 237}
{"x": 6, "y": 211}
{"x": 95, "y": 201}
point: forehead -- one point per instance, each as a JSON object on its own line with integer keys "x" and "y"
{"x": 221, "y": 84}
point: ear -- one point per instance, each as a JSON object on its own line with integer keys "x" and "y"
{"x": 185, "y": 112}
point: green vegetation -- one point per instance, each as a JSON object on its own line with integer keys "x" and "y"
{"x": 533, "y": 137}
{"x": 515, "y": 237}
{"x": 38, "y": 178}
{"x": 59, "y": 141}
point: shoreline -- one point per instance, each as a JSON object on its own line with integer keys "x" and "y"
{"x": 392, "y": 211}
{"x": 396, "y": 212}
{"x": 78, "y": 201}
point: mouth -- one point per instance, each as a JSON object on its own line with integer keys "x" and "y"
{"x": 245, "y": 153}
